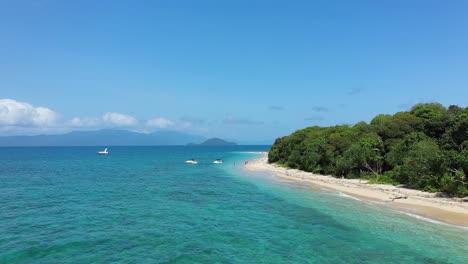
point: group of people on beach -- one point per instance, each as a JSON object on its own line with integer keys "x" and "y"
{"x": 245, "y": 162}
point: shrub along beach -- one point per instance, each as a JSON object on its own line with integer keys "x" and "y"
{"x": 423, "y": 149}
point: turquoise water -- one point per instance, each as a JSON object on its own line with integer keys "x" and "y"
{"x": 144, "y": 205}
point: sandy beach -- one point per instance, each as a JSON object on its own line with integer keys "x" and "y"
{"x": 448, "y": 210}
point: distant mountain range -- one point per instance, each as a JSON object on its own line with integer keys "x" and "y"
{"x": 214, "y": 142}
{"x": 102, "y": 138}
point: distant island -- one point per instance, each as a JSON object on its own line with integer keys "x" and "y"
{"x": 105, "y": 137}
{"x": 214, "y": 142}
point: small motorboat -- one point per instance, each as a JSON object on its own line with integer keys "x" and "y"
{"x": 104, "y": 152}
{"x": 218, "y": 161}
{"x": 191, "y": 161}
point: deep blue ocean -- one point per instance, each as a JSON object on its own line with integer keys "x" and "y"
{"x": 145, "y": 205}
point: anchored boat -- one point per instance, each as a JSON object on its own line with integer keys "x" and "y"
{"x": 191, "y": 161}
{"x": 104, "y": 152}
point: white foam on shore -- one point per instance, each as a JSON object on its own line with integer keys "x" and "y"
{"x": 295, "y": 175}
{"x": 251, "y": 152}
{"x": 426, "y": 219}
{"x": 348, "y": 196}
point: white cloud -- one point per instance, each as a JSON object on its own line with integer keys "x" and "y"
{"x": 84, "y": 122}
{"x": 21, "y": 114}
{"x": 23, "y": 118}
{"x": 160, "y": 122}
{"x": 118, "y": 119}
{"x": 109, "y": 119}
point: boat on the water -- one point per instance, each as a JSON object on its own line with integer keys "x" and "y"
{"x": 218, "y": 161}
{"x": 104, "y": 152}
{"x": 191, "y": 161}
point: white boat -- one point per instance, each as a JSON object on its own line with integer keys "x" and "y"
{"x": 191, "y": 161}
{"x": 218, "y": 161}
{"x": 103, "y": 152}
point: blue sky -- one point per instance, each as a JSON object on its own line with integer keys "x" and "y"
{"x": 246, "y": 70}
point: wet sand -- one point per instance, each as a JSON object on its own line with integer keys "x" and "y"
{"x": 448, "y": 210}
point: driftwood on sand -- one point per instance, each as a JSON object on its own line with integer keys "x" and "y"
{"x": 399, "y": 196}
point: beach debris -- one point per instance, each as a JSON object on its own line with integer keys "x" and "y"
{"x": 399, "y": 196}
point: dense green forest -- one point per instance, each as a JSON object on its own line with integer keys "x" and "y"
{"x": 425, "y": 148}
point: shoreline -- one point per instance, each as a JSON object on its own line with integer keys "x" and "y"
{"x": 453, "y": 211}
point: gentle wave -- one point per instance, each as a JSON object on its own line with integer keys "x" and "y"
{"x": 348, "y": 196}
{"x": 250, "y": 152}
{"x": 426, "y": 219}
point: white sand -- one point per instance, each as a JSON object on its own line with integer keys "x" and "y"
{"x": 448, "y": 210}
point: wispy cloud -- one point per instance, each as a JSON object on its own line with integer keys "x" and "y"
{"x": 184, "y": 123}
{"x": 240, "y": 121}
{"x": 276, "y": 108}
{"x": 320, "y": 109}
{"x": 118, "y": 119}
{"x": 84, "y": 122}
{"x": 109, "y": 119}
{"x": 356, "y": 90}
{"x": 192, "y": 120}
{"x": 160, "y": 122}
{"x": 315, "y": 118}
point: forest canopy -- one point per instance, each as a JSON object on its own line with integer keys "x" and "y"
{"x": 425, "y": 148}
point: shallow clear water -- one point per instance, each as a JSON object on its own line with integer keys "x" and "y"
{"x": 144, "y": 205}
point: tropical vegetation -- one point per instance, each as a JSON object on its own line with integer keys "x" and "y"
{"x": 425, "y": 148}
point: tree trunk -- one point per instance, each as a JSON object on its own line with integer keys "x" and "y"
{"x": 370, "y": 168}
